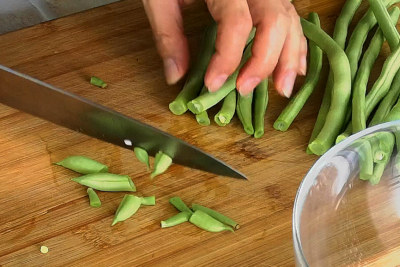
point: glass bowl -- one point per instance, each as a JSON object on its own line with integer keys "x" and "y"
{"x": 341, "y": 220}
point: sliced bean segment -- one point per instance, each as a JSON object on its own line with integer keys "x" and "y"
{"x": 142, "y": 155}
{"x": 94, "y": 199}
{"x": 208, "y": 223}
{"x": 148, "y": 201}
{"x": 128, "y": 206}
{"x": 161, "y": 164}
{"x": 96, "y": 81}
{"x": 178, "y": 203}
{"x": 216, "y": 215}
{"x": 106, "y": 182}
{"x": 341, "y": 90}
{"x": 260, "y": 107}
{"x": 179, "y": 218}
{"x": 82, "y": 164}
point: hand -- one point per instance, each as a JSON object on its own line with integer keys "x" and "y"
{"x": 279, "y": 48}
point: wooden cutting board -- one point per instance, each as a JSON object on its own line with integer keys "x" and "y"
{"x": 39, "y": 205}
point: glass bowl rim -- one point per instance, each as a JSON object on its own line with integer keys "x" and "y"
{"x": 311, "y": 175}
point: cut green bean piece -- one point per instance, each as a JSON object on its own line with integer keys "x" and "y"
{"x": 161, "y": 164}
{"x": 202, "y": 118}
{"x": 195, "y": 78}
{"x": 44, "y": 249}
{"x": 359, "y": 118}
{"x": 341, "y": 89}
{"x": 179, "y": 218}
{"x": 83, "y": 165}
{"x": 291, "y": 111}
{"x": 365, "y": 158}
{"x": 148, "y": 201}
{"x": 106, "y": 182}
{"x": 244, "y": 112}
{"x": 209, "y": 99}
{"x": 225, "y": 115}
{"x": 94, "y": 199}
{"x": 384, "y": 21}
{"x": 208, "y": 223}
{"x": 388, "y": 102}
{"x": 128, "y": 206}
{"x": 216, "y": 215}
{"x": 178, "y": 203}
{"x": 142, "y": 155}
{"x": 260, "y": 107}
{"x": 339, "y": 36}
{"x": 96, "y": 81}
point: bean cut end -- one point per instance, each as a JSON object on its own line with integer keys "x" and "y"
{"x": 178, "y": 108}
{"x": 195, "y": 107}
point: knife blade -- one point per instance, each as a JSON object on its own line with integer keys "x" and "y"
{"x": 45, "y": 101}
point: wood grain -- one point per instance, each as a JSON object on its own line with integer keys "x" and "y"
{"x": 39, "y": 205}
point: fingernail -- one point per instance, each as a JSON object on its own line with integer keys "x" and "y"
{"x": 303, "y": 65}
{"x": 288, "y": 82}
{"x": 249, "y": 85}
{"x": 171, "y": 71}
{"x": 217, "y": 82}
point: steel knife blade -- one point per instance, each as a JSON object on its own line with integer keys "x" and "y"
{"x": 45, "y": 101}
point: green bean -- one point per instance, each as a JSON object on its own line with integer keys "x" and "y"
{"x": 388, "y": 102}
{"x": 179, "y": 218}
{"x": 290, "y": 112}
{"x": 96, "y": 81}
{"x": 128, "y": 206}
{"x": 82, "y": 164}
{"x": 148, "y": 201}
{"x": 377, "y": 151}
{"x": 379, "y": 168}
{"x": 244, "y": 112}
{"x": 260, "y": 107}
{"x": 106, "y": 182}
{"x": 225, "y": 115}
{"x": 341, "y": 89}
{"x": 216, "y": 215}
{"x": 44, "y": 249}
{"x": 209, "y": 99}
{"x": 365, "y": 158}
{"x": 94, "y": 199}
{"x": 195, "y": 78}
{"x": 360, "y": 84}
{"x": 161, "y": 164}
{"x": 202, "y": 118}
{"x": 142, "y": 156}
{"x": 208, "y": 223}
{"x": 178, "y": 203}
{"x": 339, "y": 36}
{"x": 384, "y": 21}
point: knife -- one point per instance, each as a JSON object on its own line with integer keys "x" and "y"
{"x": 45, "y": 101}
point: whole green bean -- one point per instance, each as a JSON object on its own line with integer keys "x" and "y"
{"x": 94, "y": 199}
{"x": 339, "y": 36}
{"x": 178, "y": 203}
{"x": 82, "y": 164}
{"x": 209, "y": 99}
{"x": 202, "y": 118}
{"x": 260, "y": 107}
{"x": 106, "y": 182}
{"x": 196, "y": 75}
{"x": 341, "y": 89}
{"x": 365, "y": 158}
{"x": 227, "y": 111}
{"x": 290, "y": 112}
{"x": 216, "y": 215}
{"x": 128, "y": 206}
{"x": 388, "y": 102}
{"x": 244, "y": 112}
{"x": 148, "y": 201}
{"x": 360, "y": 83}
{"x": 384, "y": 21}
{"x": 161, "y": 164}
{"x": 208, "y": 223}
{"x": 179, "y": 218}
{"x": 142, "y": 155}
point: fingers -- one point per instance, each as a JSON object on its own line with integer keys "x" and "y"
{"x": 166, "y": 21}
{"x": 279, "y": 47}
{"x": 234, "y": 25}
